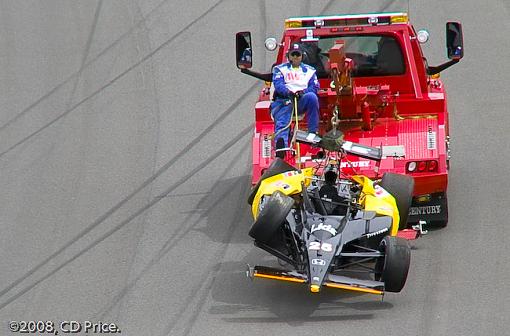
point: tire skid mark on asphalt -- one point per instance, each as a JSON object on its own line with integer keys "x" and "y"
{"x": 197, "y": 300}
{"x": 75, "y": 86}
{"x": 383, "y": 8}
{"x": 388, "y": 4}
{"x": 112, "y": 210}
{"x": 176, "y": 236}
{"x": 429, "y": 306}
{"x": 327, "y": 7}
{"x": 202, "y": 291}
{"x": 85, "y": 53}
{"x": 156, "y": 140}
{"x": 168, "y": 246}
{"x": 174, "y": 186}
{"x": 263, "y": 27}
{"x": 112, "y": 81}
{"x": 306, "y": 8}
{"x": 185, "y": 194}
{"x": 103, "y": 52}
{"x": 77, "y": 74}
{"x": 84, "y": 57}
{"x": 303, "y": 320}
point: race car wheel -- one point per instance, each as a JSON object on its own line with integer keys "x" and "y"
{"x": 401, "y": 187}
{"x": 276, "y": 167}
{"x": 271, "y": 217}
{"x": 393, "y": 268}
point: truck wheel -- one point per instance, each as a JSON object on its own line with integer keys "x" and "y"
{"x": 401, "y": 187}
{"x": 394, "y": 267}
{"x": 271, "y": 217}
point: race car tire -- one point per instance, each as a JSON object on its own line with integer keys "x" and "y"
{"x": 401, "y": 187}
{"x": 394, "y": 267}
{"x": 276, "y": 167}
{"x": 271, "y": 217}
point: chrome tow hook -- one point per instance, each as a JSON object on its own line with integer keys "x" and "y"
{"x": 419, "y": 227}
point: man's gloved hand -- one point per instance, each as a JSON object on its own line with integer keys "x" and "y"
{"x": 297, "y": 94}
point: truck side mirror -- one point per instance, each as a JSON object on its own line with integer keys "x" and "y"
{"x": 243, "y": 50}
{"x": 454, "y": 41}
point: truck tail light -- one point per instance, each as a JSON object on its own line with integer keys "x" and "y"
{"x": 432, "y": 165}
{"x": 411, "y": 166}
{"x": 422, "y": 166}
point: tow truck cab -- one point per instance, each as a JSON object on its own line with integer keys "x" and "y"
{"x": 391, "y": 98}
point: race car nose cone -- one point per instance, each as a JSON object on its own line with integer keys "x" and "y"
{"x": 315, "y": 288}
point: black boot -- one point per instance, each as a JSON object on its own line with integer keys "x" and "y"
{"x": 280, "y": 144}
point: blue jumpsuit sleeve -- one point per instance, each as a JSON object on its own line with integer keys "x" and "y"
{"x": 279, "y": 83}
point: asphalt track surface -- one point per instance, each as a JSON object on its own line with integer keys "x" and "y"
{"x": 125, "y": 160}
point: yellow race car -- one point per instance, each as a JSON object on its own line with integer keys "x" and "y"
{"x": 329, "y": 229}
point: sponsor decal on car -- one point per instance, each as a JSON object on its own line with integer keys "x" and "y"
{"x": 379, "y": 191}
{"x": 425, "y": 210}
{"x": 319, "y": 262}
{"x": 373, "y": 234}
{"x": 315, "y": 245}
{"x": 325, "y": 227}
{"x": 280, "y": 184}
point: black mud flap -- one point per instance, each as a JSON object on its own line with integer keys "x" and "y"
{"x": 434, "y": 211}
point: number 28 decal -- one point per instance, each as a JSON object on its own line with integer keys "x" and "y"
{"x": 326, "y": 247}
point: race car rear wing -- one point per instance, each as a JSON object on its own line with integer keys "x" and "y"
{"x": 333, "y": 141}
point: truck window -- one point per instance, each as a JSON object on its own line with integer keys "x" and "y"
{"x": 372, "y": 55}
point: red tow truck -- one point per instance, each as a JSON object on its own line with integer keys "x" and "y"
{"x": 377, "y": 88}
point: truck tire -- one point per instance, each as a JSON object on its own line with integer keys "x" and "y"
{"x": 401, "y": 187}
{"x": 271, "y": 217}
{"x": 394, "y": 267}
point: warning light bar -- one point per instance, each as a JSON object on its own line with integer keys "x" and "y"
{"x": 346, "y": 20}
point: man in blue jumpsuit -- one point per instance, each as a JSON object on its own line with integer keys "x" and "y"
{"x": 293, "y": 79}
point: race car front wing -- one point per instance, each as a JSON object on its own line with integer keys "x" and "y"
{"x": 332, "y": 281}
